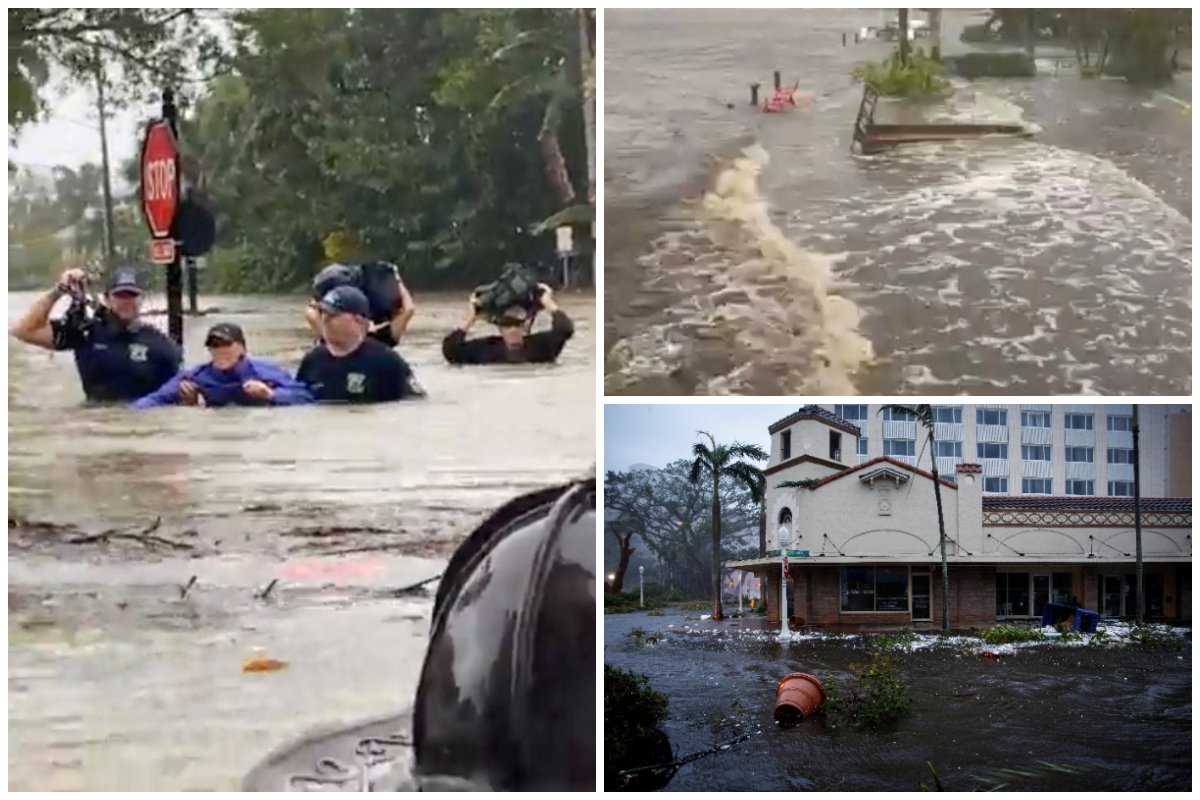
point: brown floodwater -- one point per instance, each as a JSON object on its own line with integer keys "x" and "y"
{"x": 1043, "y": 718}
{"x": 119, "y": 679}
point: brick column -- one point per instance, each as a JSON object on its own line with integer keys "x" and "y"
{"x": 798, "y": 602}
{"x": 772, "y": 582}
{"x": 1089, "y": 594}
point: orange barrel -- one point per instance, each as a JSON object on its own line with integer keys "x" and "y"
{"x": 799, "y": 694}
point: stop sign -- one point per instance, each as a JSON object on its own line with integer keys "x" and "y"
{"x": 160, "y": 178}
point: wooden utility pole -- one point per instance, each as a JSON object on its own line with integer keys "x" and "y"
{"x": 1137, "y": 514}
{"x": 110, "y": 246}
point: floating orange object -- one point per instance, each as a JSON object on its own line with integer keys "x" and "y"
{"x": 263, "y": 665}
{"x": 798, "y": 695}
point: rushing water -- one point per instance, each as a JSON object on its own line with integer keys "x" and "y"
{"x": 751, "y": 253}
{"x": 121, "y": 680}
{"x": 1112, "y": 720}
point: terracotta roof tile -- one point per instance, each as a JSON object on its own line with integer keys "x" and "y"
{"x": 1170, "y": 504}
{"x": 818, "y": 413}
{"x": 880, "y": 460}
{"x": 969, "y": 468}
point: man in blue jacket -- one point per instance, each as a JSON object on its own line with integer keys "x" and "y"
{"x": 230, "y": 378}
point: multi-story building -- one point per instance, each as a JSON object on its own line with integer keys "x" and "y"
{"x": 1083, "y": 450}
{"x": 862, "y": 525}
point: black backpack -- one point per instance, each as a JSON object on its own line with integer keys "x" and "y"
{"x": 378, "y": 280}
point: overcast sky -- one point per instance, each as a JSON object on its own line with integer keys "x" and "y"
{"x": 659, "y": 434}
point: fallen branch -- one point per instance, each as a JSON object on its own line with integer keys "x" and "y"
{"x": 145, "y": 537}
{"x": 263, "y": 594}
{"x": 676, "y": 764}
{"x": 414, "y": 587}
{"x": 183, "y": 590}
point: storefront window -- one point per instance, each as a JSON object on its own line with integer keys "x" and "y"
{"x": 1012, "y": 594}
{"x": 874, "y": 588}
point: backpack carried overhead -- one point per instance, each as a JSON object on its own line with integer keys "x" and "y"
{"x": 378, "y": 280}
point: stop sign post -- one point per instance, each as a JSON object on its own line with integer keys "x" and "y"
{"x": 160, "y": 205}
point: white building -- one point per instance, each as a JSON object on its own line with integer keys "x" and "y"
{"x": 863, "y": 532}
{"x": 1052, "y": 450}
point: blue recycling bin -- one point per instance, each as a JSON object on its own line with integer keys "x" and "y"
{"x": 1085, "y": 621}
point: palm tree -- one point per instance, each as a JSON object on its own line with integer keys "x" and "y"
{"x": 924, "y": 415}
{"x": 720, "y": 461}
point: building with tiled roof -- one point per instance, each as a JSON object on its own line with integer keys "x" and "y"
{"x": 863, "y": 541}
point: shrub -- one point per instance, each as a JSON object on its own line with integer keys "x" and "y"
{"x": 1151, "y": 637}
{"x": 695, "y": 605}
{"x": 873, "y": 697}
{"x": 902, "y": 640}
{"x": 1004, "y": 634}
{"x": 922, "y": 76}
{"x": 632, "y": 712}
{"x": 974, "y": 34}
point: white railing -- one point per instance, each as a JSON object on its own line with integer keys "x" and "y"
{"x": 1120, "y": 472}
{"x": 995, "y": 467}
{"x": 1120, "y": 439}
{"x": 899, "y": 430}
{"x": 947, "y": 431}
{"x": 1081, "y": 472}
{"x": 1036, "y": 407}
{"x": 991, "y": 433}
{"x": 1036, "y": 469}
{"x": 1036, "y": 436}
{"x": 1075, "y": 438}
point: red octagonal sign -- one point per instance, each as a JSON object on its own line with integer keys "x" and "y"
{"x": 160, "y": 178}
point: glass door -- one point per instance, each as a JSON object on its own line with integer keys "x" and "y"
{"x": 1110, "y": 591}
{"x": 920, "y": 597}
{"x": 1041, "y": 594}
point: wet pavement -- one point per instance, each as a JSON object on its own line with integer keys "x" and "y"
{"x": 1109, "y": 720}
{"x": 1001, "y": 266}
{"x": 124, "y": 677}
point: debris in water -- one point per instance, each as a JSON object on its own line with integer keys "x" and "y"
{"x": 260, "y": 663}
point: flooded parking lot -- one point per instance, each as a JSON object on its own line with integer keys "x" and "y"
{"x": 1109, "y": 720}
{"x": 1003, "y": 266}
{"x": 124, "y": 674}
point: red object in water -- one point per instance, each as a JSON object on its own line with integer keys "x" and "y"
{"x": 777, "y": 103}
{"x": 798, "y": 695}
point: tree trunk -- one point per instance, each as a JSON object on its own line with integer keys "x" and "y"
{"x": 626, "y": 551}
{"x": 588, "y": 92}
{"x": 1137, "y": 514}
{"x": 904, "y": 37}
{"x": 935, "y": 30}
{"x": 716, "y": 558}
{"x": 556, "y": 165}
{"x": 762, "y": 533}
{"x": 937, "y": 495}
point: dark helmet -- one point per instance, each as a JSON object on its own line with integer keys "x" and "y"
{"x": 333, "y": 276}
{"x": 507, "y": 697}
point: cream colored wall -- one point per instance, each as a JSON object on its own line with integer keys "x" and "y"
{"x": 1074, "y": 542}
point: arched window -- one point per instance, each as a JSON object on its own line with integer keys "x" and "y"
{"x": 785, "y": 517}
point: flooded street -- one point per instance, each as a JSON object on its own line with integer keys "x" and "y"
{"x": 121, "y": 676}
{"x": 1109, "y": 720}
{"x": 1056, "y": 264}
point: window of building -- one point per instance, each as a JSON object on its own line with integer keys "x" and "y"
{"x": 874, "y": 588}
{"x": 1120, "y": 423}
{"x": 1080, "y": 455}
{"x": 785, "y": 516}
{"x": 991, "y": 416}
{"x": 1078, "y": 422}
{"x": 785, "y": 445}
{"x": 1035, "y": 419}
{"x": 1054, "y": 588}
{"x": 835, "y": 445}
{"x": 1012, "y": 594}
{"x": 1035, "y": 486}
{"x": 1120, "y": 455}
{"x": 898, "y": 416}
{"x": 851, "y": 413}
{"x": 991, "y": 450}
{"x": 948, "y": 449}
{"x": 862, "y": 446}
{"x": 1120, "y": 488}
{"x": 995, "y": 485}
{"x": 1081, "y": 488}
{"x": 949, "y": 415}
{"x": 1035, "y": 452}
{"x": 899, "y": 447}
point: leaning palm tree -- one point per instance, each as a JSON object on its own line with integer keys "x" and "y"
{"x": 720, "y": 461}
{"x": 924, "y": 416}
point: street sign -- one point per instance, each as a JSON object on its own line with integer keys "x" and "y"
{"x": 160, "y": 179}
{"x": 162, "y": 251}
{"x": 565, "y": 239}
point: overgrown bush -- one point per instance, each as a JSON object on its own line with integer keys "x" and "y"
{"x": 1004, "y": 634}
{"x": 620, "y": 603}
{"x": 1151, "y": 637}
{"x": 632, "y": 712}
{"x": 874, "y": 696}
{"x": 921, "y": 76}
{"x": 695, "y": 605}
{"x": 887, "y": 641}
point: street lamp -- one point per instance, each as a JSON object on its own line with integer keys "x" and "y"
{"x": 642, "y": 586}
{"x": 783, "y": 618}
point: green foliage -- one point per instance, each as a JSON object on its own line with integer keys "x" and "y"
{"x": 435, "y": 138}
{"x": 632, "y": 710}
{"x": 903, "y": 640}
{"x": 937, "y": 782}
{"x": 890, "y": 78}
{"x": 140, "y": 50}
{"x": 619, "y": 603}
{"x": 1153, "y": 637}
{"x": 873, "y": 697}
{"x": 991, "y": 65}
{"x": 806, "y": 483}
{"x": 1004, "y": 634}
{"x": 695, "y": 605}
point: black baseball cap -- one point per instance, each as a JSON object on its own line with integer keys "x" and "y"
{"x": 225, "y": 332}
{"x": 125, "y": 281}
{"x": 345, "y": 300}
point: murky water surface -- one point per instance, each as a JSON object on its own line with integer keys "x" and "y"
{"x": 121, "y": 680}
{"x": 1059, "y": 264}
{"x": 1119, "y": 720}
